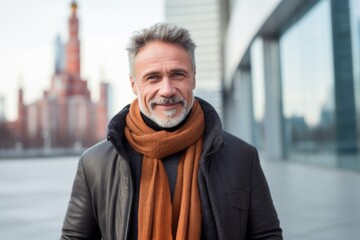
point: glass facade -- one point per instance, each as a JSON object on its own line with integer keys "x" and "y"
{"x": 305, "y": 80}
{"x": 319, "y": 120}
{"x": 355, "y": 29}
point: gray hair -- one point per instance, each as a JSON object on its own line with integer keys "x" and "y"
{"x": 164, "y": 32}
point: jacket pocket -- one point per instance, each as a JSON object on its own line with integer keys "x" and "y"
{"x": 239, "y": 204}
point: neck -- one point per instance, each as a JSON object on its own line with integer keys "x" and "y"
{"x": 157, "y": 128}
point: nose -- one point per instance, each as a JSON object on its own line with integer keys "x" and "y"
{"x": 167, "y": 88}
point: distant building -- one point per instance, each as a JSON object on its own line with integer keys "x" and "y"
{"x": 65, "y": 114}
{"x": 59, "y": 55}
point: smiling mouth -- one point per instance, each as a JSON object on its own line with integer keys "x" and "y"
{"x": 167, "y": 107}
{"x": 167, "y": 103}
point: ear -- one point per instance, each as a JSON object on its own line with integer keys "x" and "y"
{"x": 194, "y": 81}
{"x": 133, "y": 86}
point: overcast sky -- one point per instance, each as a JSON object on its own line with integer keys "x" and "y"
{"x": 28, "y": 30}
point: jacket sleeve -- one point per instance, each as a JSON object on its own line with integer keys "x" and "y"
{"x": 263, "y": 220}
{"x": 79, "y": 221}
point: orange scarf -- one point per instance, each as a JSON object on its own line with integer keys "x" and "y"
{"x": 158, "y": 217}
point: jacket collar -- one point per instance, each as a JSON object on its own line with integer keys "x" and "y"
{"x": 115, "y": 130}
{"x": 213, "y": 137}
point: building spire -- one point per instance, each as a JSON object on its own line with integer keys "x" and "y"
{"x": 73, "y": 45}
{"x": 74, "y": 6}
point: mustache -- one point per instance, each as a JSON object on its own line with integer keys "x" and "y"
{"x": 170, "y": 100}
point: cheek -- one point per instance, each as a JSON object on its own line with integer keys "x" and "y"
{"x": 187, "y": 90}
{"x": 146, "y": 94}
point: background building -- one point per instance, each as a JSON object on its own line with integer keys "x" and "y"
{"x": 63, "y": 116}
{"x": 291, "y": 84}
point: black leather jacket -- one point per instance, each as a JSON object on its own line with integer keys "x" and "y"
{"x": 235, "y": 197}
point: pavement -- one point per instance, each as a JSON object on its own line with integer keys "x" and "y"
{"x": 33, "y": 197}
{"x": 313, "y": 203}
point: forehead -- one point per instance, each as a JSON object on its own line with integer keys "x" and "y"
{"x": 161, "y": 51}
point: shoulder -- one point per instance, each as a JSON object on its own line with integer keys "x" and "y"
{"x": 238, "y": 146}
{"x": 98, "y": 157}
{"x": 97, "y": 150}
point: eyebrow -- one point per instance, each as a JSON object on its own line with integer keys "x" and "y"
{"x": 151, "y": 73}
{"x": 179, "y": 70}
{"x": 183, "y": 70}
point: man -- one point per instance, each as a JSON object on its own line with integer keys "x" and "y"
{"x": 168, "y": 170}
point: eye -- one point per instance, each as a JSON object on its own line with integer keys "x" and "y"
{"x": 152, "y": 77}
{"x": 178, "y": 75}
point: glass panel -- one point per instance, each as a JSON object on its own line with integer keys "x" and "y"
{"x": 355, "y": 29}
{"x": 307, "y": 87}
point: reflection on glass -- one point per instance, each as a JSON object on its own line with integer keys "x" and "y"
{"x": 307, "y": 84}
{"x": 355, "y": 29}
